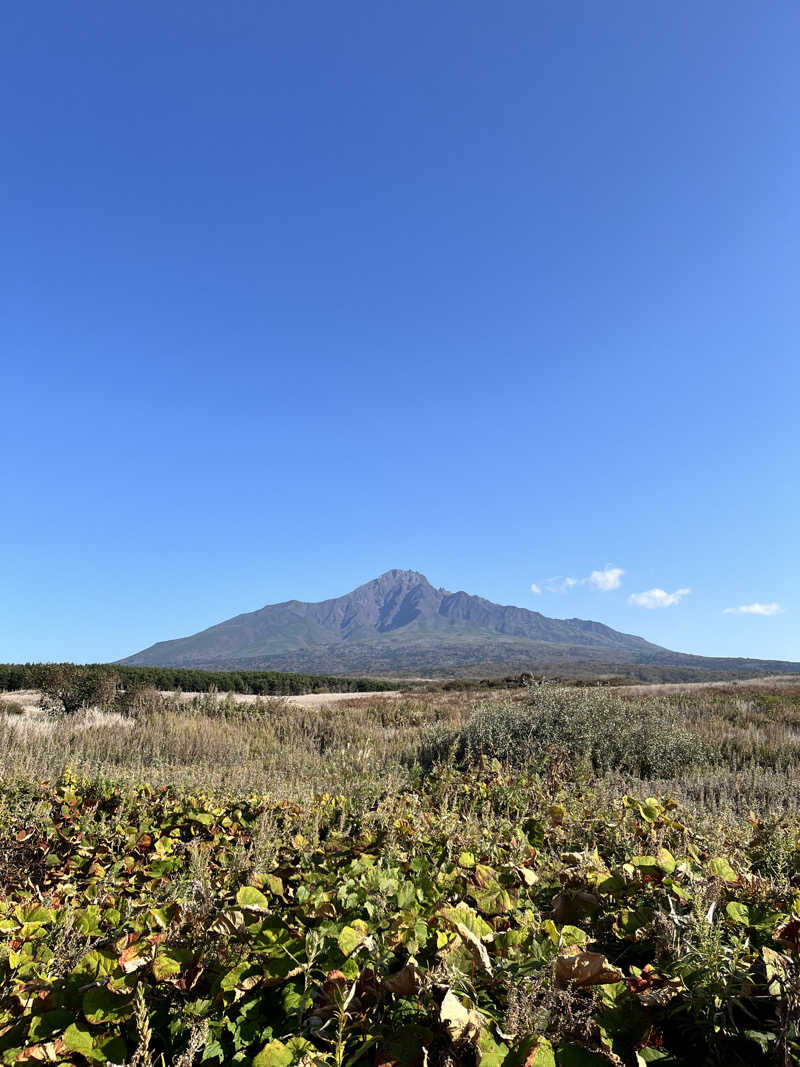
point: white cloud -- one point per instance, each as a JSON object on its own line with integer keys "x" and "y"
{"x": 559, "y": 584}
{"x": 657, "y": 598}
{"x": 755, "y": 609}
{"x": 555, "y": 585}
{"x": 607, "y": 579}
{"x": 536, "y": 589}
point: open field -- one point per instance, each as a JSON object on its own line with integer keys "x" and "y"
{"x": 533, "y": 877}
{"x": 772, "y": 681}
{"x": 30, "y": 699}
{"x": 301, "y": 700}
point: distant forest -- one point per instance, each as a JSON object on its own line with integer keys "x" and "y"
{"x": 15, "y": 676}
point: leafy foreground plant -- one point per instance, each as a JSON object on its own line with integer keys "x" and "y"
{"x": 488, "y": 919}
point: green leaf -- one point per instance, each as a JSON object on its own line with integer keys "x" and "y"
{"x": 575, "y": 1056}
{"x": 532, "y": 1051}
{"x": 738, "y": 913}
{"x": 388, "y": 885}
{"x": 492, "y": 1052}
{"x": 100, "y": 1005}
{"x": 242, "y": 975}
{"x": 274, "y": 1054}
{"x": 95, "y": 965}
{"x": 550, "y": 929}
{"x": 293, "y": 998}
{"x": 567, "y": 935}
{"x": 648, "y": 864}
{"x": 274, "y": 884}
{"x": 720, "y": 867}
{"x": 463, "y": 913}
{"x": 78, "y": 1038}
{"x": 763, "y": 1038}
{"x": 666, "y": 861}
{"x": 34, "y": 913}
{"x": 350, "y": 937}
{"x": 113, "y": 1050}
{"x": 777, "y": 977}
{"x": 171, "y": 961}
{"x": 406, "y": 895}
{"x": 534, "y": 831}
{"x": 572, "y": 935}
{"x": 158, "y": 868}
{"x": 52, "y": 1022}
{"x": 494, "y": 899}
{"x": 405, "y": 1046}
{"x": 250, "y": 897}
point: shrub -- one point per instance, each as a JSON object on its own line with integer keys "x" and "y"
{"x": 68, "y": 687}
{"x": 138, "y": 700}
{"x": 642, "y": 738}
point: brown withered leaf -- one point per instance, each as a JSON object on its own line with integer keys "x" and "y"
{"x": 132, "y": 959}
{"x": 332, "y": 994}
{"x": 340, "y": 993}
{"x": 788, "y": 933}
{"x": 228, "y": 922}
{"x": 44, "y": 1053}
{"x": 475, "y": 946}
{"x": 652, "y": 989}
{"x": 570, "y": 905}
{"x": 585, "y": 968}
{"x": 405, "y": 982}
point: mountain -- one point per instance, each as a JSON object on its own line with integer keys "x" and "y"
{"x": 399, "y": 623}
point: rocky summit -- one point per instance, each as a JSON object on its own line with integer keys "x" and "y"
{"x": 399, "y": 623}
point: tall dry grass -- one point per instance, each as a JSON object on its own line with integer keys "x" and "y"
{"x": 747, "y": 754}
{"x": 266, "y": 746}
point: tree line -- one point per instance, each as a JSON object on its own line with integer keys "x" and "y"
{"x": 15, "y": 676}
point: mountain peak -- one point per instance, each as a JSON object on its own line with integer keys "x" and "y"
{"x": 400, "y": 622}
{"x": 399, "y": 607}
{"x": 397, "y": 575}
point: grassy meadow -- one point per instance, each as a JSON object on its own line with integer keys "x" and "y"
{"x": 539, "y": 876}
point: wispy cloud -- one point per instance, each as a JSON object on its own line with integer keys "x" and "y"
{"x": 560, "y": 584}
{"x": 657, "y": 598}
{"x": 755, "y": 609}
{"x": 536, "y": 589}
{"x": 607, "y": 579}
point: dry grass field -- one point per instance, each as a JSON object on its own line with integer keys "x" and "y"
{"x": 747, "y": 756}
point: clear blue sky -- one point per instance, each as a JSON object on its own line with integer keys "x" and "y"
{"x": 296, "y": 293}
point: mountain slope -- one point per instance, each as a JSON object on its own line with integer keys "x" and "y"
{"x": 400, "y": 622}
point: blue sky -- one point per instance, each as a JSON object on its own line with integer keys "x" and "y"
{"x": 294, "y": 294}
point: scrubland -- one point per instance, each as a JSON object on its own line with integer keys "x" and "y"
{"x": 534, "y": 877}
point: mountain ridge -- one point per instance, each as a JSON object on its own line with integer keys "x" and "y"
{"x": 399, "y": 621}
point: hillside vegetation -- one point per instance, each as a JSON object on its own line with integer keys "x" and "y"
{"x": 399, "y": 624}
{"x": 540, "y": 877}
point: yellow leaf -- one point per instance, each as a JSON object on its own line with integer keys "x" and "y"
{"x": 462, "y": 1024}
